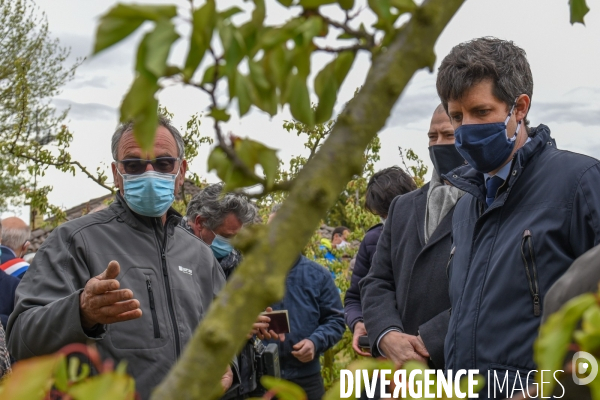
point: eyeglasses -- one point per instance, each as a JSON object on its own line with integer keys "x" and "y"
{"x": 136, "y": 166}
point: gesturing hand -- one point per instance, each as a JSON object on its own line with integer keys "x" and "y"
{"x": 400, "y": 348}
{"x": 304, "y": 350}
{"x": 101, "y": 301}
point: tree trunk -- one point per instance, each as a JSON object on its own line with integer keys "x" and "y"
{"x": 272, "y": 250}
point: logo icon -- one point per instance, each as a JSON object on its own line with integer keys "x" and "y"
{"x": 185, "y": 270}
{"x": 584, "y": 363}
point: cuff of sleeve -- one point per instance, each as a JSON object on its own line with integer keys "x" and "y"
{"x": 354, "y": 322}
{"x": 394, "y": 329}
{"x": 317, "y": 342}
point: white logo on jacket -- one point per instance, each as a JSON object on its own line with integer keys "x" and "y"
{"x": 185, "y": 270}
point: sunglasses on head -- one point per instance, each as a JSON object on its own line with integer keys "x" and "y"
{"x": 136, "y": 166}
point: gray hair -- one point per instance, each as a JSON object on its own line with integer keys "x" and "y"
{"x": 214, "y": 206}
{"x": 15, "y": 238}
{"x": 469, "y": 63}
{"x": 162, "y": 121}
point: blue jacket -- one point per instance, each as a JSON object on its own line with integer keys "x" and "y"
{"x": 506, "y": 257}
{"x": 364, "y": 258}
{"x": 315, "y": 312}
{"x": 8, "y": 286}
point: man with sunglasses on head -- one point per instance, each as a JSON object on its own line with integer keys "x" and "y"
{"x": 128, "y": 278}
{"x": 529, "y": 211}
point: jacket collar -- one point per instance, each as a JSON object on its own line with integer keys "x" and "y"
{"x": 420, "y": 207}
{"x": 140, "y": 222}
{"x": 473, "y": 182}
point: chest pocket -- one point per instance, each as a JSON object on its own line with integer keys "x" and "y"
{"x": 152, "y": 330}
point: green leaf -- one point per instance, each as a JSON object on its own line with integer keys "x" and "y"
{"x": 234, "y": 48}
{"x": 209, "y": 74}
{"x": 326, "y": 102}
{"x": 285, "y": 390}
{"x": 158, "y": 45}
{"x": 312, "y": 4}
{"x": 309, "y": 29}
{"x": 254, "y": 153}
{"x": 226, "y": 171}
{"x": 230, "y": 12}
{"x": 219, "y": 114}
{"x": 346, "y": 4}
{"x": 145, "y": 11}
{"x": 404, "y": 6}
{"x": 343, "y": 63}
{"x": 112, "y": 30}
{"x": 203, "y": 26}
{"x": 258, "y": 75}
{"x": 61, "y": 376}
{"x": 259, "y": 13}
{"x": 32, "y": 378}
{"x": 124, "y": 19}
{"x": 286, "y": 3}
{"x": 243, "y": 93}
{"x": 578, "y": 9}
{"x": 588, "y": 337}
{"x": 555, "y": 335}
{"x": 138, "y": 97}
{"x": 144, "y": 125}
{"x": 300, "y": 101}
{"x": 111, "y": 385}
{"x": 382, "y": 9}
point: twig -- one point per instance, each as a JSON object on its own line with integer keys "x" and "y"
{"x": 352, "y": 32}
{"x": 354, "y": 48}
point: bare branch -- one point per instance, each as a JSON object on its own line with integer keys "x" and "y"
{"x": 370, "y": 39}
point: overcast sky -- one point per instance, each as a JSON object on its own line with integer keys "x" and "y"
{"x": 565, "y": 61}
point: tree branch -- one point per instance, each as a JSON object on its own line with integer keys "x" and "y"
{"x": 60, "y": 164}
{"x": 370, "y": 39}
{"x": 271, "y": 251}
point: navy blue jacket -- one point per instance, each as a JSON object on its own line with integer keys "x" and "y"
{"x": 362, "y": 265}
{"x": 315, "y": 312}
{"x": 507, "y": 256}
{"x": 8, "y": 286}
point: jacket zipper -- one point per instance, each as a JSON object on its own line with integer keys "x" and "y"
{"x": 527, "y": 245}
{"x": 153, "y": 308}
{"x": 168, "y": 288}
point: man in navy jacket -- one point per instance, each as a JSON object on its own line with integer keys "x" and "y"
{"x": 529, "y": 212}
{"x": 316, "y": 324}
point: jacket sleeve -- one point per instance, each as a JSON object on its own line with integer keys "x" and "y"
{"x": 378, "y": 289}
{"x": 352, "y": 303}
{"x": 433, "y": 334}
{"x": 585, "y": 218}
{"x": 46, "y": 316}
{"x": 331, "y": 318}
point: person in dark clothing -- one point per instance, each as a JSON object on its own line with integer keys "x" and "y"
{"x": 529, "y": 212}
{"x": 8, "y": 286}
{"x": 316, "y": 324}
{"x": 382, "y": 188}
{"x": 216, "y": 217}
{"x": 405, "y": 294}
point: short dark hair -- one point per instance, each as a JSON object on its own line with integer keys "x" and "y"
{"x": 339, "y": 231}
{"x": 383, "y": 186}
{"x": 469, "y": 63}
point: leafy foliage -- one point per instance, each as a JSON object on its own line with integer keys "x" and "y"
{"x": 578, "y": 10}
{"x": 33, "y": 136}
{"x": 57, "y": 376}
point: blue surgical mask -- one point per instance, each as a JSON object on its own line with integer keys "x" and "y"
{"x": 485, "y": 146}
{"x": 221, "y": 247}
{"x": 149, "y": 194}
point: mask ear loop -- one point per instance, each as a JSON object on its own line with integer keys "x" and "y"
{"x": 508, "y": 119}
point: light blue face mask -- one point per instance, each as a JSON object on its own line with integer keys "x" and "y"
{"x": 149, "y": 194}
{"x": 221, "y": 246}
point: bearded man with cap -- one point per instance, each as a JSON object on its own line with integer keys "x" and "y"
{"x": 128, "y": 278}
{"x": 405, "y": 294}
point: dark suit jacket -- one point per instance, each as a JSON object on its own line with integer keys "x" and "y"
{"x": 407, "y": 287}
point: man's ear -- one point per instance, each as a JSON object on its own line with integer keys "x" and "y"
{"x": 522, "y": 107}
{"x": 26, "y": 246}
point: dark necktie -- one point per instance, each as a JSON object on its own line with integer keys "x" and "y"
{"x": 492, "y": 185}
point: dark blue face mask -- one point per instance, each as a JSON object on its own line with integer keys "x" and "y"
{"x": 485, "y": 146}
